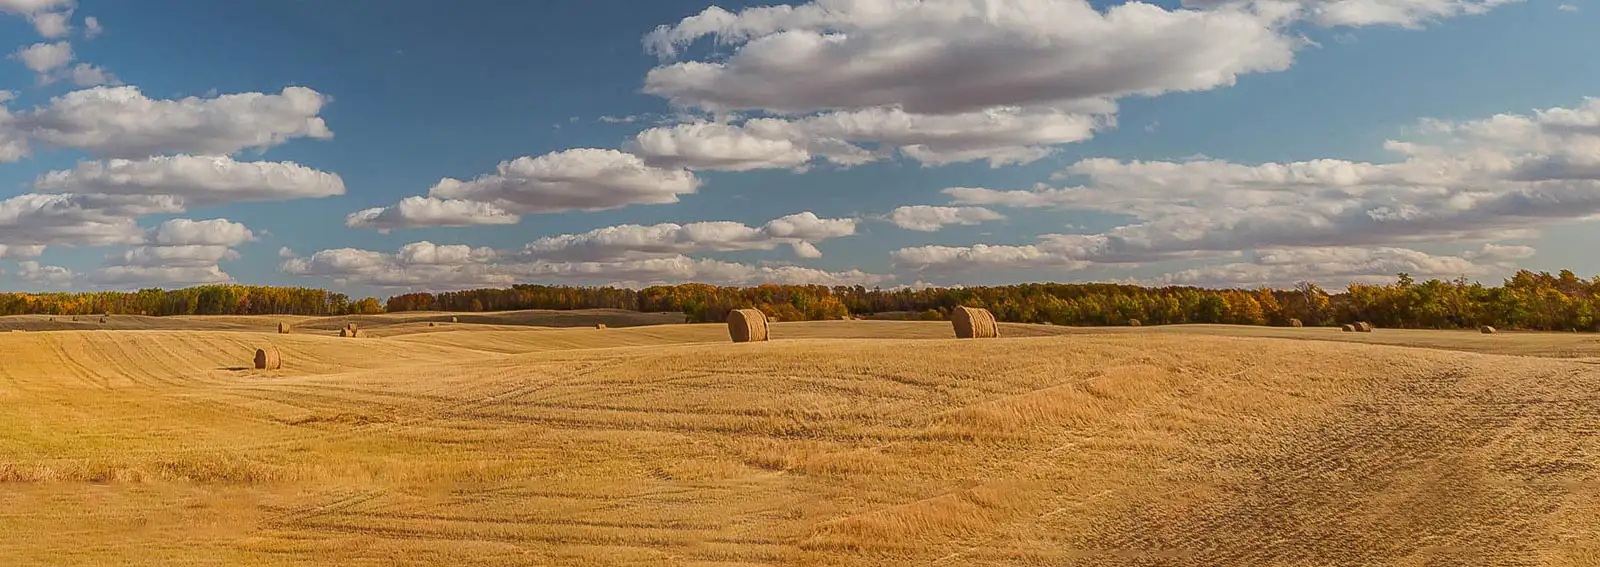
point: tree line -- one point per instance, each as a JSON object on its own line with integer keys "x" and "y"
{"x": 201, "y": 300}
{"x": 1527, "y": 300}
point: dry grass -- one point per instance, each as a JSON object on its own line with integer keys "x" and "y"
{"x": 485, "y": 445}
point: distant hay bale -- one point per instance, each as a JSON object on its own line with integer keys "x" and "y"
{"x": 1348, "y": 328}
{"x": 345, "y": 332}
{"x": 1487, "y": 330}
{"x": 599, "y": 325}
{"x": 432, "y": 324}
{"x": 747, "y": 325}
{"x": 455, "y": 320}
{"x": 1296, "y": 323}
{"x": 350, "y": 326}
{"x": 355, "y": 333}
{"x": 102, "y": 319}
{"x": 268, "y": 359}
{"x": 974, "y": 323}
{"x": 1363, "y": 327}
{"x": 1134, "y": 323}
{"x": 283, "y": 328}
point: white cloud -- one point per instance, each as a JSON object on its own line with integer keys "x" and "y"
{"x": 1567, "y": 8}
{"x": 91, "y": 27}
{"x": 44, "y": 57}
{"x": 187, "y": 256}
{"x": 1505, "y": 176}
{"x": 430, "y": 254}
{"x": 837, "y": 54}
{"x": 200, "y": 180}
{"x": 54, "y": 277}
{"x": 214, "y": 232}
{"x": 52, "y": 24}
{"x": 285, "y": 252}
{"x": 179, "y": 252}
{"x": 26, "y": 7}
{"x": 123, "y": 122}
{"x": 413, "y": 212}
{"x": 86, "y": 75}
{"x": 1403, "y": 13}
{"x": 425, "y": 265}
{"x": 93, "y": 220}
{"x": 113, "y": 276}
{"x": 669, "y": 239}
{"x": 927, "y": 218}
{"x": 24, "y": 251}
{"x": 704, "y": 145}
{"x": 1002, "y": 136}
{"x": 1335, "y": 267}
{"x": 13, "y": 144}
{"x": 807, "y": 250}
{"x": 577, "y": 179}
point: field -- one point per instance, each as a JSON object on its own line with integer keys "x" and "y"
{"x": 144, "y": 441}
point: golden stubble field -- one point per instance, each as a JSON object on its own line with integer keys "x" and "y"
{"x": 839, "y": 443}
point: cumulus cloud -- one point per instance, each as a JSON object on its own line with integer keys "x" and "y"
{"x": 53, "y": 277}
{"x": 632, "y": 241}
{"x": 214, "y": 232}
{"x": 178, "y": 252}
{"x": 112, "y": 276}
{"x": 424, "y": 266}
{"x": 586, "y": 179}
{"x": 578, "y": 179}
{"x": 1506, "y": 176}
{"x": 199, "y": 180}
{"x": 926, "y": 218}
{"x": 837, "y": 54}
{"x": 92, "y": 28}
{"x": 44, "y": 57}
{"x": 49, "y": 17}
{"x": 412, "y": 212}
{"x": 24, "y": 251}
{"x": 122, "y": 122}
{"x": 718, "y": 147}
{"x": 93, "y": 220}
{"x": 1336, "y": 266}
{"x": 86, "y": 75}
{"x": 1001, "y": 136}
{"x": 187, "y": 256}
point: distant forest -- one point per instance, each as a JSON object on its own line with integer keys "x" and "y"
{"x": 1528, "y": 300}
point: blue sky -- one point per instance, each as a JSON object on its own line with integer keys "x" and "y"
{"x": 951, "y": 142}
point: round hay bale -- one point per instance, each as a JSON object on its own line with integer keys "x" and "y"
{"x": 102, "y": 319}
{"x": 268, "y": 359}
{"x": 747, "y": 325}
{"x": 455, "y": 320}
{"x": 283, "y": 328}
{"x": 1487, "y": 330}
{"x": 345, "y": 332}
{"x": 1348, "y": 328}
{"x": 1134, "y": 323}
{"x": 974, "y": 323}
{"x": 1363, "y": 327}
{"x": 599, "y": 325}
{"x": 432, "y": 324}
{"x": 1296, "y": 323}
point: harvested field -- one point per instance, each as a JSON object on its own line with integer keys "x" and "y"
{"x": 837, "y": 443}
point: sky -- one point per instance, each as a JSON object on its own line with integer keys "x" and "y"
{"x": 377, "y": 147}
